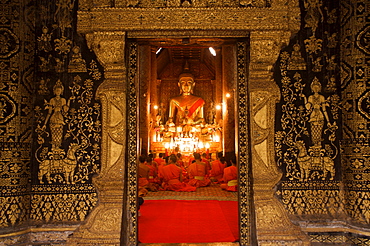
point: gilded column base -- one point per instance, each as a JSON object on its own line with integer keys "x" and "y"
{"x": 103, "y": 226}
{"x": 273, "y": 225}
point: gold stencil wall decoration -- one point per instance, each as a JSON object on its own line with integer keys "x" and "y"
{"x": 16, "y": 96}
{"x": 355, "y": 111}
{"x": 86, "y": 4}
{"x": 67, "y": 119}
{"x": 63, "y": 121}
{"x": 308, "y": 124}
{"x": 354, "y": 57}
{"x": 72, "y": 205}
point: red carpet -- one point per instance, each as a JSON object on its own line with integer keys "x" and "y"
{"x": 184, "y": 221}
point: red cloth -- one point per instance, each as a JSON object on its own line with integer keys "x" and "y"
{"x": 178, "y": 221}
{"x": 197, "y": 104}
{"x": 171, "y": 179}
{"x": 198, "y": 169}
{"x": 230, "y": 173}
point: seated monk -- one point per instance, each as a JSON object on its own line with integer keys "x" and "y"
{"x": 153, "y": 175}
{"x": 230, "y": 177}
{"x": 197, "y": 173}
{"x": 172, "y": 177}
{"x": 159, "y": 160}
{"x": 143, "y": 175}
{"x": 181, "y": 164}
{"x": 217, "y": 170}
{"x": 206, "y": 161}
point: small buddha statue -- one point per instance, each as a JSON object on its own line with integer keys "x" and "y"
{"x": 186, "y": 106}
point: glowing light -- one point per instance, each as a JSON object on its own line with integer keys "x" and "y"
{"x": 208, "y": 145}
{"x": 155, "y": 107}
{"x": 218, "y": 107}
{"x": 167, "y": 145}
{"x": 158, "y": 50}
{"x": 212, "y": 50}
{"x": 200, "y": 145}
{"x": 227, "y": 95}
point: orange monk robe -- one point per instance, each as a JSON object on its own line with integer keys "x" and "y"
{"x": 171, "y": 179}
{"x": 184, "y": 171}
{"x": 155, "y": 164}
{"x": 190, "y": 161}
{"x": 197, "y": 174}
{"x": 153, "y": 173}
{"x": 231, "y": 179}
{"x": 159, "y": 161}
{"x": 208, "y": 165}
{"x": 217, "y": 171}
{"x": 143, "y": 174}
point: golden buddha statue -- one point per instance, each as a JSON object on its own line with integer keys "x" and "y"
{"x": 186, "y": 107}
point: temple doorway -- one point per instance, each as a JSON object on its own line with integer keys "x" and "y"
{"x": 206, "y": 122}
{"x": 176, "y": 117}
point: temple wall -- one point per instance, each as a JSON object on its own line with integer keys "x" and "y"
{"x": 48, "y": 160}
{"x": 17, "y": 73}
{"x": 329, "y": 49}
{"x": 67, "y": 126}
{"x": 50, "y": 143}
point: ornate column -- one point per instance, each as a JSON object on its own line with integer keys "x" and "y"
{"x": 103, "y": 224}
{"x": 272, "y": 222}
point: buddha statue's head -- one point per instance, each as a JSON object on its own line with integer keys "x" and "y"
{"x": 186, "y": 83}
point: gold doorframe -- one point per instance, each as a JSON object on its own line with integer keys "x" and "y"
{"x": 245, "y": 198}
{"x": 114, "y": 220}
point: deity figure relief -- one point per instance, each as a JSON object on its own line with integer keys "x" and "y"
{"x": 212, "y": 113}
{"x": 314, "y": 14}
{"x": 44, "y": 40}
{"x": 316, "y": 106}
{"x": 59, "y": 66}
{"x": 331, "y": 85}
{"x": 331, "y": 63}
{"x": 332, "y": 40}
{"x": 317, "y": 66}
{"x": 43, "y": 87}
{"x": 45, "y": 64}
{"x": 63, "y": 14}
{"x": 161, "y": 114}
{"x": 296, "y": 61}
{"x": 331, "y": 15}
{"x": 77, "y": 63}
{"x": 57, "y": 108}
{"x": 186, "y": 106}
